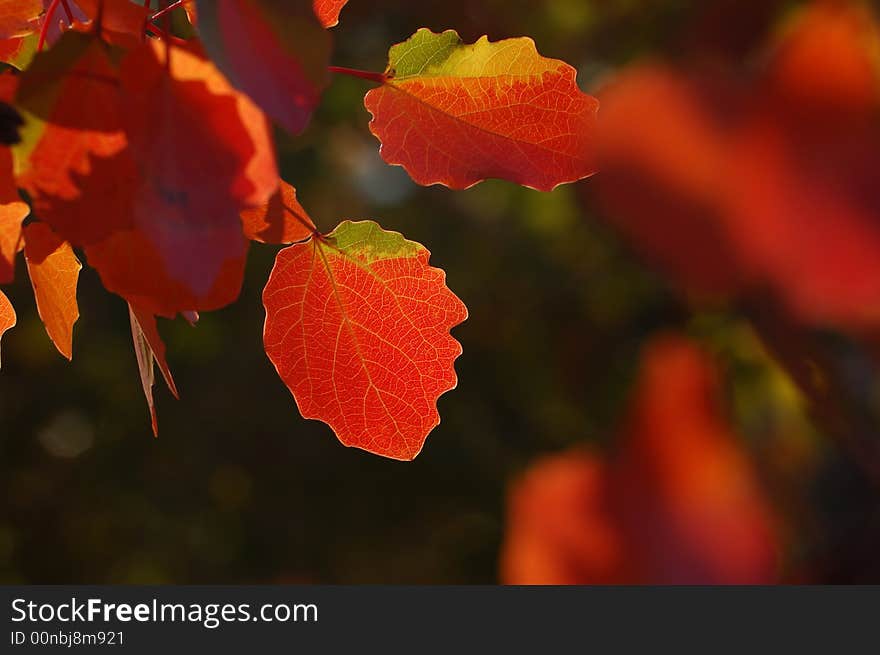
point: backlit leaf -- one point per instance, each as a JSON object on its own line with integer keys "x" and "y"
{"x": 54, "y": 272}
{"x": 19, "y": 17}
{"x": 357, "y": 326}
{"x": 149, "y": 348}
{"x": 199, "y": 153}
{"x": 12, "y": 212}
{"x": 456, "y": 114}
{"x": 327, "y": 11}
{"x": 276, "y": 51}
{"x": 7, "y": 315}
{"x": 70, "y": 98}
{"x": 19, "y": 51}
{"x": 122, "y": 21}
{"x": 281, "y": 220}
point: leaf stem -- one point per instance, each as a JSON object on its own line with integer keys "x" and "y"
{"x": 67, "y": 11}
{"x": 168, "y": 9}
{"x": 380, "y": 78}
{"x": 44, "y": 31}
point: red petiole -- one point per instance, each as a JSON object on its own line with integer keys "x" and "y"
{"x": 380, "y": 78}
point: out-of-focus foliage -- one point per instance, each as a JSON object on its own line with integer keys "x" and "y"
{"x": 238, "y": 489}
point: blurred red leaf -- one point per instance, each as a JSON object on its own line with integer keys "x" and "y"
{"x": 54, "y": 272}
{"x": 276, "y": 51}
{"x": 678, "y": 504}
{"x": 768, "y": 181}
{"x": 357, "y": 326}
{"x": 805, "y": 205}
{"x": 456, "y": 114}
{"x": 676, "y": 157}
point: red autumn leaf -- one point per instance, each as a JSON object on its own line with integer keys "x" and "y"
{"x": 122, "y": 21}
{"x": 456, "y": 114}
{"x": 19, "y": 17}
{"x": 189, "y": 127}
{"x": 12, "y": 212}
{"x": 274, "y": 50}
{"x": 149, "y": 348}
{"x": 327, "y": 11}
{"x": 357, "y": 326}
{"x": 18, "y": 51}
{"x": 679, "y": 504}
{"x": 54, "y": 272}
{"x": 131, "y": 266}
{"x": 199, "y": 153}
{"x": 70, "y": 98}
{"x": 7, "y": 315}
{"x": 281, "y": 220}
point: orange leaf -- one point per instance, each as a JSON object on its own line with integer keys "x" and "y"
{"x": 71, "y": 98}
{"x": 18, "y": 51}
{"x": 287, "y": 72}
{"x": 281, "y": 220}
{"x": 327, "y": 11}
{"x": 12, "y": 212}
{"x": 122, "y": 21}
{"x": 357, "y": 326}
{"x": 679, "y": 504}
{"x": 19, "y": 17}
{"x": 149, "y": 347}
{"x": 456, "y": 114}
{"x": 135, "y": 267}
{"x": 199, "y": 153}
{"x": 54, "y": 272}
{"x": 7, "y": 314}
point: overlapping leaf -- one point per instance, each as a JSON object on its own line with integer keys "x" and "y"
{"x": 70, "y": 98}
{"x": 133, "y": 192}
{"x": 7, "y": 315}
{"x": 54, "y": 272}
{"x": 357, "y": 325}
{"x": 122, "y": 21}
{"x": 281, "y": 220}
{"x": 12, "y": 212}
{"x": 456, "y": 114}
{"x": 19, "y": 17}
{"x": 327, "y": 11}
{"x": 276, "y": 51}
{"x": 681, "y": 477}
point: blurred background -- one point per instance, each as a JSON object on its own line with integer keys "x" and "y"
{"x": 238, "y": 488}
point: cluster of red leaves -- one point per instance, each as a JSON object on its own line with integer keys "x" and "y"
{"x": 767, "y": 181}
{"x": 678, "y": 503}
{"x": 154, "y": 156}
